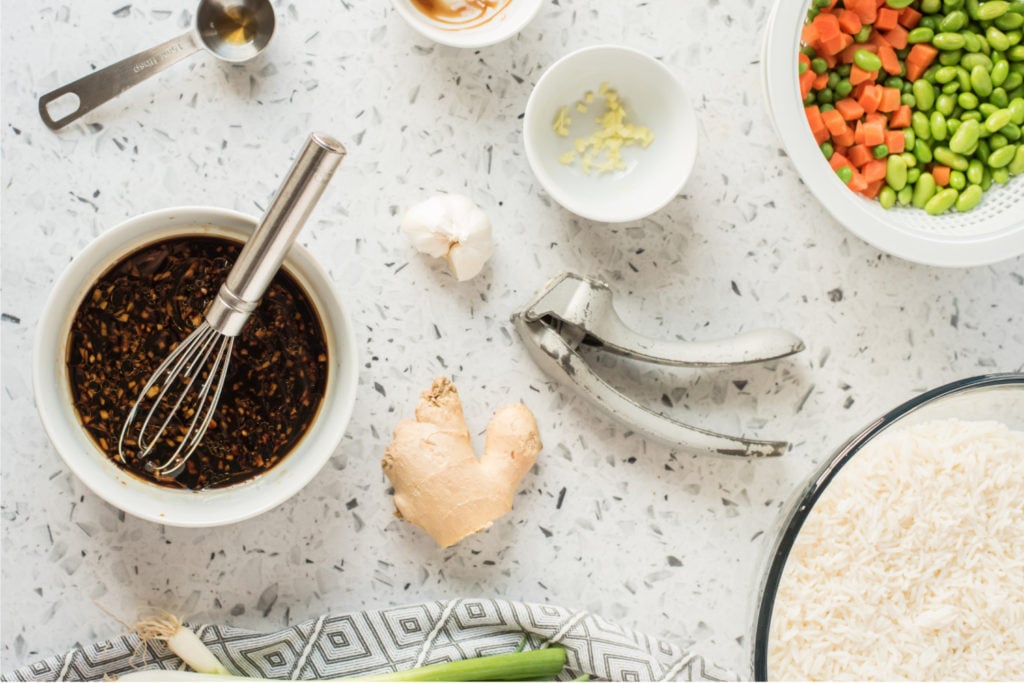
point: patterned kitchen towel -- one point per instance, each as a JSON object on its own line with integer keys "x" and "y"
{"x": 365, "y": 643}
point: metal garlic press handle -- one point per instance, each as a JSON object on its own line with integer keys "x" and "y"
{"x": 265, "y": 251}
{"x": 574, "y": 311}
{"x": 586, "y": 304}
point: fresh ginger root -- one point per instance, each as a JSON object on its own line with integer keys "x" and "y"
{"x": 440, "y": 485}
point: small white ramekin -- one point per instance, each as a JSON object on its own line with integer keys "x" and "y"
{"x": 509, "y": 22}
{"x": 132, "y": 494}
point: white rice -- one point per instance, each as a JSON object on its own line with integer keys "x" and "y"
{"x": 911, "y": 565}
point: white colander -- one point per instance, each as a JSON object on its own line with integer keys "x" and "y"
{"x": 991, "y": 232}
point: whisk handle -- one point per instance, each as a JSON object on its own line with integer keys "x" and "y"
{"x": 263, "y": 253}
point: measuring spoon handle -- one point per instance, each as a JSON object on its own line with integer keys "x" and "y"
{"x": 106, "y": 84}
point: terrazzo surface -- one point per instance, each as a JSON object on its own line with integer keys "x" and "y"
{"x": 664, "y": 541}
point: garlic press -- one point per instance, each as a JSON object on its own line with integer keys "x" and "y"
{"x": 574, "y": 311}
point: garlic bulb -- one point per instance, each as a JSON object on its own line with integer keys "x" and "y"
{"x": 453, "y": 227}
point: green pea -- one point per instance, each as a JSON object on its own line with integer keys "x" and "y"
{"x": 969, "y": 198}
{"x": 997, "y": 39}
{"x": 845, "y": 174}
{"x": 981, "y": 81}
{"x": 887, "y": 197}
{"x": 819, "y": 65}
{"x": 957, "y": 180}
{"x": 974, "y": 171}
{"x": 920, "y": 34}
{"x": 945, "y": 104}
{"x": 896, "y": 172}
{"x": 843, "y": 87}
{"x": 941, "y": 202}
{"x": 1002, "y": 156}
{"x": 880, "y": 151}
{"x": 993, "y": 9}
{"x": 826, "y": 96}
{"x": 862, "y": 35}
{"x": 868, "y": 61}
{"x": 1016, "y": 166}
{"x": 965, "y": 140}
{"x": 905, "y": 196}
{"x": 844, "y": 70}
{"x": 947, "y": 157}
{"x": 924, "y": 190}
{"x": 827, "y": 149}
{"x": 948, "y": 41}
{"x": 937, "y": 124}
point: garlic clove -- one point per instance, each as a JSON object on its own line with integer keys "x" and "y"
{"x": 453, "y": 227}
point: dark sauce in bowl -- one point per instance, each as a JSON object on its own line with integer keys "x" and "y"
{"x": 147, "y": 303}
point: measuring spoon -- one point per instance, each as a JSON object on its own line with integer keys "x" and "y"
{"x": 233, "y": 30}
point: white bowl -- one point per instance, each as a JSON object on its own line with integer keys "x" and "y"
{"x": 510, "y": 21}
{"x": 165, "y": 505}
{"x": 653, "y": 98}
{"x": 991, "y": 232}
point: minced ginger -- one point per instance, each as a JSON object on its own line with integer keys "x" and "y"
{"x": 440, "y": 485}
{"x": 602, "y": 151}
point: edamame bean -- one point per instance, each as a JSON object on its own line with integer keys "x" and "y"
{"x": 887, "y": 197}
{"x": 924, "y": 190}
{"x": 948, "y": 41}
{"x": 924, "y": 93}
{"x": 999, "y": 119}
{"x": 953, "y": 22}
{"x": 937, "y": 124}
{"x": 896, "y": 172}
{"x": 1001, "y": 176}
{"x": 945, "y": 74}
{"x": 993, "y": 9}
{"x": 909, "y": 139}
{"x": 967, "y": 100}
{"x": 920, "y": 34}
{"x": 942, "y": 201}
{"x": 945, "y": 104}
{"x": 923, "y": 152}
{"x": 965, "y": 140}
{"x": 969, "y": 198}
{"x": 868, "y": 61}
{"x": 975, "y": 170}
{"x": 1002, "y": 156}
{"x": 905, "y": 196}
{"x": 997, "y": 39}
{"x": 957, "y": 180}
{"x": 1016, "y": 108}
{"x": 981, "y": 81}
{"x": 947, "y": 157}
{"x": 1016, "y": 166}
{"x": 912, "y": 175}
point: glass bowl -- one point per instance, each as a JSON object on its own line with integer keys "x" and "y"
{"x": 988, "y": 397}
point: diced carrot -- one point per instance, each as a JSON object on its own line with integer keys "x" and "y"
{"x": 873, "y": 189}
{"x": 919, "y": 59}
{"x": 806, "y": 81}
{"x": 849, "y": 21}
{"x": 876, "y": 118}
{"x": 874, "y": 170}
{"x": 874, "y": 133}
{"x": 857, "y": 182}
{"x": 941, "y": 175}
{"x": 834, "y": 122}
{"x": 877, "y": 39}
{"x": 803, "y": 59}
{"x": 890, "y": 100}
{"x": 809, "y": 34}
{"x": 849, "y": 108}
{"x": 827, "y": 25}
{"x": 890, "y": 60}
{"x": 844, "y": 139}
{"x": 887, "y": 19}
{"x": 896, "y": 141}
{"x": 859, "y": 75}
{"x": 820, "y": 82}
{"x": 909, "y": 18}
{"x": 817, "y": 125}
{"x": 838, "y": 161}
{"x": 870, "y": 98}
{"x": 897, "y": 37}
{"x": 867, "y": 10}
{"x": 859, "y": 155}
{"x": 901, "y": 117}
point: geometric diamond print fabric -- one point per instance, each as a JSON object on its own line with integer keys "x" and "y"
{"x": 374, "y": 642}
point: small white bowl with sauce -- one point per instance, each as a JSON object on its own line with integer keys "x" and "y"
{"x": 469, "y": 23}
{"x": 652, "y": 98}
{"x": 164, "y": 504}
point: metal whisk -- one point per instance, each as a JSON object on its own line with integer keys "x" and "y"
{"x": 190, "y": 380}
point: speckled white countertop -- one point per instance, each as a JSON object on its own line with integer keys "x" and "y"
{"x": 663, "y": 541}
